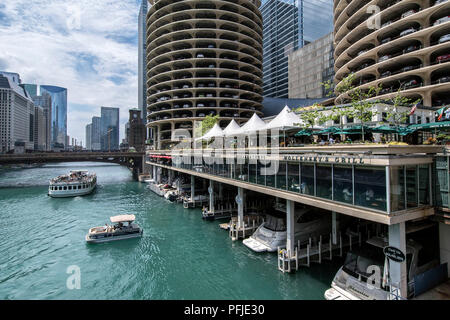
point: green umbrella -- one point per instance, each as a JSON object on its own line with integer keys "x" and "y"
{"x": 305, "y": 132}
{"x": 331, "y": 130}
{"x": 384, "y": 129}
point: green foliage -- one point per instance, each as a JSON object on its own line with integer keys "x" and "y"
{"x": 208, "y": 123}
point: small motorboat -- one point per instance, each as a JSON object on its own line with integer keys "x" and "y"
{"x": 171, "y": 195}
{"x": 123, "y": 228}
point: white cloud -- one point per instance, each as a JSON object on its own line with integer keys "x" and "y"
{"x": 84, "y": 46}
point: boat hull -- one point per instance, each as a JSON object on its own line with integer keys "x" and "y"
{"x": 113, "y": 238}
{"x": 70, "y": 193}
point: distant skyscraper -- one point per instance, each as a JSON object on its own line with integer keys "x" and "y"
{"x": 59, "y": 115}
{"x": 31, "y": 89}
{"x": 109, "y": 129}
{"x": 14, "y": 77}
{"x": 95, "y": 134}
{"x": 136, "y": 130}
{"x": 45, "y": 102}
{"x": 287, "y": 26}
{"x": 88, "y": 136}
{"x": 142, "y": 65}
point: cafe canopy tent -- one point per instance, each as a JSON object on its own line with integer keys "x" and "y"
{"x": 285, "y": 120}
{"x": 216, "y": 131}
{"x": 251, "y": 126}
{"x": 232, "y": 127}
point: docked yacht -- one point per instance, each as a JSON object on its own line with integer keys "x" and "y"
{"x": 76, "y": 183}
{"x": 122, "y": 228}
{"x": 272, "y": 233}
{"x": 350, "y": 282}
{"x": 171, "y": 195}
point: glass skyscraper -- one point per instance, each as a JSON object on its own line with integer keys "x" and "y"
{"x": 287, "y": 26}
{"x": 109, "y": 129}
{"x": 59, "y": 114}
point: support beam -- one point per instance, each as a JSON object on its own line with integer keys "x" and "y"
{"x": 211, "y": 195}
{"x": 192, "y": 187}
{"x": 290, "y": 226}
{"x": 335, "y": 226}
{"x": 397, "y": 271}
{"x": 240, "y": 203}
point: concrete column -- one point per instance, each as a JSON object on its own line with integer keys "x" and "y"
{"x": 334, "y": 226}
{"x": 240, "y": 203}
{"x": 397, "y": 271}
{"x": 290, "y": 225}
{"x": 154, "y": 173}
{"x": 192, "y": 187}
{"x": 170, "y": 176}
{"x": 211, "y": 195}
{"x": 220, "y": 191}
{"x": 444, "y": 242}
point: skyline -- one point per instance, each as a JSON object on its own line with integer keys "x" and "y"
{"x": 90, "y": 48}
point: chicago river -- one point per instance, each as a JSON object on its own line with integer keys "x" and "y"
{"x": 180, "y": 256}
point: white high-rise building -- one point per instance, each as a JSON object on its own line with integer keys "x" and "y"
{"x": 16, "y": 116}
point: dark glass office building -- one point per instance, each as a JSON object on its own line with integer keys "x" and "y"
{"x": 109, "y": 129}
{"x": 287, "y": 26}
{"x": 59, "y": 114}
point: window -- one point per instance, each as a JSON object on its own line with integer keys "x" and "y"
{"x": 343, "y": 184}
{"x": 281, "y": 176}
{"x": 293, "y": 177}
{"x": 370, "y": 187}
{"x": 323, "y": 181}
{"x": 307, "y": 179}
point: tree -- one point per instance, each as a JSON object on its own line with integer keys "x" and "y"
{"x": 207, "y": 124}
{"x": 312, "y": 116}
{"x": 393, "y": 115}
{"x": 361, "y": 99}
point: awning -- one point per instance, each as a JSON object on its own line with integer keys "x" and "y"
{"x": 305, "y": 132}
{"x": 331, "y": 130}
{"x": 160, "y": 157}
{"x": 384, "y": 129}
{"x": 431, "y": 126}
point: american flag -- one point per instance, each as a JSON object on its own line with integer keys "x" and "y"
{"x": 413, "y": 110}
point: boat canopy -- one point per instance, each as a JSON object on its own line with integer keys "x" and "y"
{"x": 123, "y": 218}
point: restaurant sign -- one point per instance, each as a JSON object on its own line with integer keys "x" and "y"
{"x": 394, "y": 254}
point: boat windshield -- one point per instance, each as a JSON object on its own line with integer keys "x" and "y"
{"x": 274, "y": 223}
{"x": 357, "y": 264}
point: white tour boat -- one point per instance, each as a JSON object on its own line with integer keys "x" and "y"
{"x": 76, "y": 183}
{"x": 272, "y": 233}
{"x": 118, "y": 231}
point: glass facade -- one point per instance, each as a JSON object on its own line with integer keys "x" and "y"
{"x": 287, "y": 26}
{"x": 59, "y": 114}
{"x": 109, "y": 129}
{"x": 357, "y": 185}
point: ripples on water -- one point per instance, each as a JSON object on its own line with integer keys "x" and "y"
{"x": 179, "y": 256}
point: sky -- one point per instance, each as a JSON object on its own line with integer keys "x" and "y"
{"x": 89, "y": 47}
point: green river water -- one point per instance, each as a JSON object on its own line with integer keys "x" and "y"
{"x": 180, "y": 256}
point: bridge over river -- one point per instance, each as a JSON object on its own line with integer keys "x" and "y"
{"x": 133, "y": 160}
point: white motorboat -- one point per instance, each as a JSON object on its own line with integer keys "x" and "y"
{"x": 122, "y": 228}
{"x": 350, "y": 282}
{"x": 76, "y": 183}
{"x": 171, "y": 195}
{"x": 272, "y": 233}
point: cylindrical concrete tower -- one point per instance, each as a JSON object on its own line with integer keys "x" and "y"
{"x": 395, "y": 43}
{"x": 203, "y": 58}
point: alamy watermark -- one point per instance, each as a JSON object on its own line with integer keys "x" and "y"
{"x": 74, "y": 280}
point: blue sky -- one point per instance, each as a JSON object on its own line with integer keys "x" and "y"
{"x": 87, "y": 46}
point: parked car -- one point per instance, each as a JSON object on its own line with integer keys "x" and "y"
{"x": 362, "y": 52}
{"x": 200, "y": 105}
{"x": 210, "y": 95}
{"x": 212, "y": 104}
{"x": 443, "y": 58}
{"x": 200, "y": 55}
{"x": 211, "y": 66}
{"x": 411, "y": 49}
{"x": 236, "y": 115}
{"x": 185, "y": 115}
{"x": 384, "y": 58}
{"x": 444, "y": 79}
{"x": 211, "y": 85}
{"x": 201, "y": 115}
{"x": 186, "y": 86}
{"x": 411, "y": 83}
{"x": 408, "y": 68}
{"x": 439, "y": 2}
{"x": 176, "y": 106}
{"x": 386, "y": 74}
{"x": 408, "y": 13}
{"x": 386, "y": 23}
{"x": 386, "y": 40}
{"x": 444, "y": 38}
{"x": 441, "y": 20}
{"x": 186, "y": 105}
{"x": 212, "y": 45}
{"x": 200, "y": 85}
{"x": 407, "y": 31}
